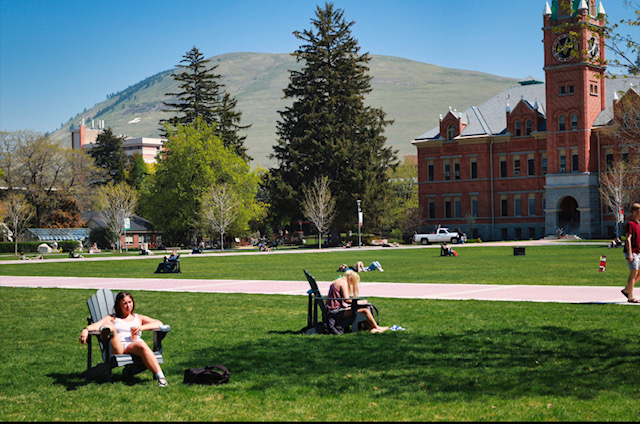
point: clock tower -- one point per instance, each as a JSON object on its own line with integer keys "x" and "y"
{"x": 574, "y": 65}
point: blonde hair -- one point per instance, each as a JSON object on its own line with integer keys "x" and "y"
{"x": 353, "y": 278}
{"x": 635, "y": 207}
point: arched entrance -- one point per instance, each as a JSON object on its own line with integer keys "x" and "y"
{"x": 569, "y": 215}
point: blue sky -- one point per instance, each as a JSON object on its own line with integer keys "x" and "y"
{"x": 59, "y": 57}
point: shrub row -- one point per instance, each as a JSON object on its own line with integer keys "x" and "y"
{"x": 32, "y": 246}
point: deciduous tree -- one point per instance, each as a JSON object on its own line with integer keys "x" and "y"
{"x": 18, "y": 212}
{"x": 116, "y": 203}
{"x": 319, "y": 206}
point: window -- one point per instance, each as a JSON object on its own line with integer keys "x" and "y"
{"x": 456, "y": 169}
{"x": 544, "y": 163}
{"x": 608, "y": 157}
{"x": 570, "y": 89}
{"x": 457, "y": 207}
{"x": 474, "y": 206}
{"x": 574, "y": 160}
{"x": 532, "y": 233}
{"x": 527, "y": 127}
{"x": 593, "y": 89}
{"x": 518, "y": 131}
{"x": 451, "y": 132}
{"x": 563, "y": 161}
{"x": 531, "y": 165}
{"x": 561, "y": 124}
{"x": 516, "y": 165}
{"x": 518, "y": 233}
{"x": 562, "y": 90}
{"x": 447, "y": 207}
{"x": 474, "y": 168}
{"x": 503, "y": 166}
{"x": 504, "y": 206}
{"x": 517, "y": 205}
{"x": 574, "y": 121}
{"x": 432, "y": 208}
{"x": 447, "y": 170}
{"x": 625, "y": 155}
{"x": 430, "y": 171}
{"x": 532, "y": 204}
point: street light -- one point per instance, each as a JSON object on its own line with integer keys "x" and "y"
{"x": 359, "y": 224}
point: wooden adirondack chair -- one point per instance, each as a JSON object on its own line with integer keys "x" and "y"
{"x": 317, "y": 301}
{"x": 100, "y": 305}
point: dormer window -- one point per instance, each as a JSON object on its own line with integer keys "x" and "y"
{"x": 451, "y": 132}
{"x": 527, "y": 127}
{"x": 518, "y": 130}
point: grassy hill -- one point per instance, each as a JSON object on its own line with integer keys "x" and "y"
{"x": 413, "y": 94}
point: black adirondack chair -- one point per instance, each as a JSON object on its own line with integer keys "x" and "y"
{"x": 317, "y": 301}
{"x": 100, "y": 305}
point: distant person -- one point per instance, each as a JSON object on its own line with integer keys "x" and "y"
{"x": 445, "y": 250}
{"x": 632, "y": 252}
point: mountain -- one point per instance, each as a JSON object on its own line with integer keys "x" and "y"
{"x": 413, "y": 94}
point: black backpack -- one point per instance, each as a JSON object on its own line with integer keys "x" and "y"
{"x": 208, "y": 375}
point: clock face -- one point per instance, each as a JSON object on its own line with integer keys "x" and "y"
{"x": 593, "y": 47}
{"x": 563, "y": 48}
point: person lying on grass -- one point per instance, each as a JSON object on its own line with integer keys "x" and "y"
{"x": 127, "y": 333}
{"x": 346, "y": 287}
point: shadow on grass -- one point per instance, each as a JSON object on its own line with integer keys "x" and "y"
{"x": 74, "y": 380}
{"x": 543, "y": 361}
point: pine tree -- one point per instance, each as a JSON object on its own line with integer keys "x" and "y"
{"x": 328, "y": 130}
{"x": 202, "y": 96}
{"x": 109, "y": 155}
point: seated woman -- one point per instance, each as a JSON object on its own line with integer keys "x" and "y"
{"x": 445, "y": 250}
{"x": 341, "y": 293}
{"x": 127, "y": 333}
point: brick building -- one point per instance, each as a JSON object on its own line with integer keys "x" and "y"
{"x": 527, "y": 161}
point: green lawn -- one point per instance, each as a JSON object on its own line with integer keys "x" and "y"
{"x": 562, "y": 265}
{"x": 458, "y": 360}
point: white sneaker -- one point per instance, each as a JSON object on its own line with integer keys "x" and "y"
{"x": 162, "y": 382}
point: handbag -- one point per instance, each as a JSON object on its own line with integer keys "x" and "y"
{"x": 209, "y": 375}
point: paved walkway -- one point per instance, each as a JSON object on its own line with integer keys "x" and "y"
{"x": 565, "y": 294}
{"x": 525, "y": 293}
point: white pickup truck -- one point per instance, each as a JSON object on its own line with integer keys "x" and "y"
{"x": 442, "y": 235}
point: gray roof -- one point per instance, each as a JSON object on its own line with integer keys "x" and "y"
{"x": 490, "y": 117}
{"x": 138, "y": 223}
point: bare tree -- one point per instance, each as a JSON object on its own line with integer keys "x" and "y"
{"x": 619, "y": 187}
{"x": 319, "y": 206}
{"x": 219, "y": 209}
{"x": 18, "y": 212}
{"x": 116, "y": 203}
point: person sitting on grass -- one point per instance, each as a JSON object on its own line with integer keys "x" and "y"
{"x": 127, "y": 327}
{"x": 445, "y": 250}
{"x": 346, "y": 287}
{"x": 73, "y": 254}
{"x": 359, "y": 267}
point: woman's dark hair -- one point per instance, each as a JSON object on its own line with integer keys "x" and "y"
{"x": 119, "y": 298}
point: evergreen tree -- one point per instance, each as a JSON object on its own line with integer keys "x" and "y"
{"x": 109, "y": 155}
{"x": 137, "y": 171}
{"x": 328, "y": 130}
{"x": 202, "y": 96}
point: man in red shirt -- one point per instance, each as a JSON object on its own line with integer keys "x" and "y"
{"x": 632, "y": 251}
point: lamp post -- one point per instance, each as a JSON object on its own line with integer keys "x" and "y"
{"x": 359, "y": 224}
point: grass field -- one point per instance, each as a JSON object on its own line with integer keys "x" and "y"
{"x": 458, "y": 360}
{"x": 560, "y": 265}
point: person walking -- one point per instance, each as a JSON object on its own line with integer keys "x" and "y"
{"x": 632, "y": 252}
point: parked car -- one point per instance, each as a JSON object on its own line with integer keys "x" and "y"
{"x": 442, "y": 235}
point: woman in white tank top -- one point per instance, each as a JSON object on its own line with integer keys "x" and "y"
{"x": 127, "y": 328}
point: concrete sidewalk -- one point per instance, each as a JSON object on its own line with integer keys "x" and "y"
{"x": 520, "y": 293}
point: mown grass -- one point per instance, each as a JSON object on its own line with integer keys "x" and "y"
{"x": 556, "y": 264}
{"x": 458, "y": 360}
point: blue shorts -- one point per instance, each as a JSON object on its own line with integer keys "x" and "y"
{"x": 634, "y": 265}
